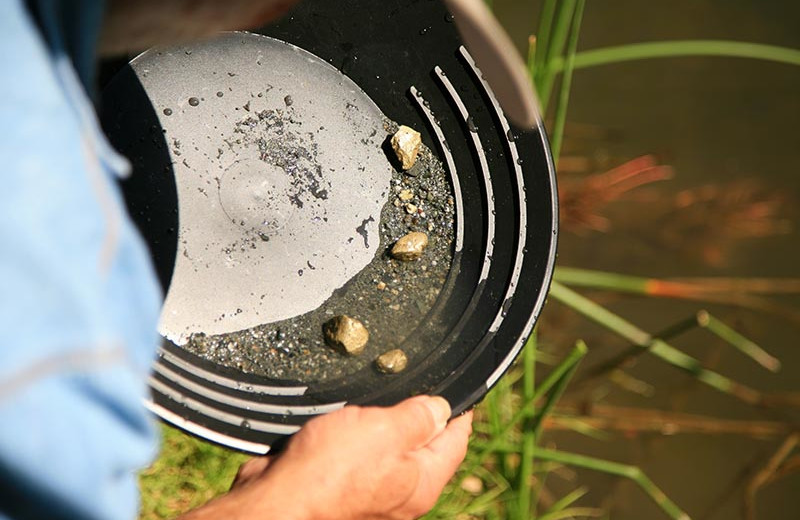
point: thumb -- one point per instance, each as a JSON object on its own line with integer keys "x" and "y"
{"x": 419, "y": 420}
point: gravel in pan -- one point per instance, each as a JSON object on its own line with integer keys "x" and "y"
{"x": 390, "y": 297}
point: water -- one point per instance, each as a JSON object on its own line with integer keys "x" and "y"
{"x": 715, "y": 121}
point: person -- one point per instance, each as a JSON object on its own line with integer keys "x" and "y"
{"x": 80, "y": 305}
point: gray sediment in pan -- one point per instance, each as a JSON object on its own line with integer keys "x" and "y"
{"x": 390, "y": 297}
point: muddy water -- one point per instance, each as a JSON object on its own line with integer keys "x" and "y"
{"x": 717, "y": 121}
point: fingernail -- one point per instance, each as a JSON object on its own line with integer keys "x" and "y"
{"x": 441, "y": 411}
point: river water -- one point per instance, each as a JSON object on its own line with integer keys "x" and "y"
{"x": 730, "y": 123}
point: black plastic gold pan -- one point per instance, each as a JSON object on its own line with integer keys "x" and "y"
{"x": 247, "y": 229}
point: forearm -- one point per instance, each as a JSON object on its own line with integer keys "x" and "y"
{"x": 259, "y": 500}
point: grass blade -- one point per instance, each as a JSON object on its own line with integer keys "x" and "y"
{"x": 555, "y": 49}
{"x": 689, "y": 288}
{"x": 566, "y": 82}
{"x": 496, "y": 402}
{"x": 565, "y": 502}
{"x": 601, "y": 280}
{"x": 612, "y": 468}
{"x": 655, "y": 346}
{"x": 622, "y": 470}
{"x": 678, "y": 48}
{"x": 744, "y": 345}
{"x": 524, "y": 493}
{"x": 543, "y": 35}
{"x": 561, "y": 371}
{"x": 558, "y": 391}
{"x": 530, "y": 62}
{"x": 701, "y": 319}
{"x": 724, "y": 291}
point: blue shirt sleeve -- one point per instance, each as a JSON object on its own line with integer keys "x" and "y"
{"x": 79, "y": 300}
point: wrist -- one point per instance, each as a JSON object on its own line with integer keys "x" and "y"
{"x": 257, "y": 501}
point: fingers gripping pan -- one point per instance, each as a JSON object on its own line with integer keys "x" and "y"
{"x": 267, "y": 189}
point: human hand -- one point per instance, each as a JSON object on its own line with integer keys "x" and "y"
{"x": 355, "y": 463}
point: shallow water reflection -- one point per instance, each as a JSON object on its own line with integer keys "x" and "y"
{"x": 728, "y": 128}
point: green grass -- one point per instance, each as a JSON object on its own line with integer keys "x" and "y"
{"x": 188, "y": 473}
